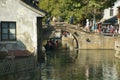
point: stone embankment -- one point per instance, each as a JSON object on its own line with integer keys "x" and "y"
{"x": 97, "y": 41}
{"x": 117, "y": 49}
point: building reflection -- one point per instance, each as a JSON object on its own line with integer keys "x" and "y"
{"x": 88, "y": 65}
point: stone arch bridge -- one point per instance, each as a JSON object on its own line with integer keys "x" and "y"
{"x": 87, "y": 40}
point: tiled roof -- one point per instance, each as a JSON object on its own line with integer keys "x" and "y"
{"x": 34, "y": 5}
{"x": 111, "y": 20}
{"x": 18, "y": 53}
{"x": 118, "y": 7}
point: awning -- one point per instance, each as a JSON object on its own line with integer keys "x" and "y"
{"x": 112, "y": 20}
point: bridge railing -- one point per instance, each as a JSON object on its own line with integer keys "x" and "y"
{"x": 64, "y": 24}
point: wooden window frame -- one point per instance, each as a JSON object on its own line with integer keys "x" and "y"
{"x": 111, "y": 12}
{"x": 8, "y": 34}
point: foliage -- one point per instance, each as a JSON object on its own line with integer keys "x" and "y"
{"x": 79, "y": 9}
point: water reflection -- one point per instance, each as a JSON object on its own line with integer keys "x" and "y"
{"x": 75, "y": 65}
{"x": 87, "y": 65}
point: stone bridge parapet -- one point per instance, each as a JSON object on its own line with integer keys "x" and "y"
{"x": 87, "y": 40}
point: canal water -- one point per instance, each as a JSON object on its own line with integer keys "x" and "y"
{"x": 81, "y": 65}
{"x": 74, "y": 65}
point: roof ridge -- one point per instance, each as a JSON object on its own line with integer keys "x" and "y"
{"x": 33, "y": 7}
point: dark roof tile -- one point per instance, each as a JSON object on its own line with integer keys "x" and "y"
{"x": 18, "y": 53}
{"x": 33, "y": 4}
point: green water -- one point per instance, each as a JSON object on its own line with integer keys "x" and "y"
{"x": 82, "y": 65}
{"x": 75, "y": 65}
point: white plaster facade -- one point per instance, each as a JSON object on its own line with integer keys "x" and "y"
{"x": 107, "y": 15}
{"x": 26, "y": 24}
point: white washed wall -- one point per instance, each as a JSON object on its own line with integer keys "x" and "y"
{"x": 107, "y": 11}
{"x": 13, "y": 10}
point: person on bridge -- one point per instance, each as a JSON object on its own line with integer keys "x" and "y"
{"x": 71, "y": 20}
{"x": 48, "y": 21}
{"x": 87, "y": 25}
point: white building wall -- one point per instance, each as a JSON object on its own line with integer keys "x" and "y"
{"x": 107, "y": 11}
{"x": 12, "y": 10}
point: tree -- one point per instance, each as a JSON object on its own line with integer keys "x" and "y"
{"x": 80, "y": 9}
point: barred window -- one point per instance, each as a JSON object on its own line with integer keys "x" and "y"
{"x": 8, "y": 31}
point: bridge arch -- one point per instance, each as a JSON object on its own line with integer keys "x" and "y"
{"x": 77, "y": 45}
{"x": 75, "y": 38}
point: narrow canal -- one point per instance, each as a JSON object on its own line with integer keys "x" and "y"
{"x": 81, "y": 65}
{"x": 74, "y": 65}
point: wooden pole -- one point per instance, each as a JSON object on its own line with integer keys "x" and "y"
{"x": 119, "y": 19}
{"x": 39, "y": 39}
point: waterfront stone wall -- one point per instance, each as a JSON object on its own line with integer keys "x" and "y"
{"x": 93, "y": 41}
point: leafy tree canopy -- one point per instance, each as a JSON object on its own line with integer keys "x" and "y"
{"x": 79, "y": 9}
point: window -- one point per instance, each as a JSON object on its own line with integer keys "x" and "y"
{"x": 8, "y": 31}
{"x": 111, "y": 12}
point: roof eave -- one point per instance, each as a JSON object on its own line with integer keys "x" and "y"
{"x": 33, "y": 9}
{"x": 118, "y": 7}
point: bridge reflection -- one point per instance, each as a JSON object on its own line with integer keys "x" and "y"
{"x": 87, "y": 65}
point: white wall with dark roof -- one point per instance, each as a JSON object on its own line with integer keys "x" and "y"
{"x": 13, "y": 10}
{"x": 107, "y": 11}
